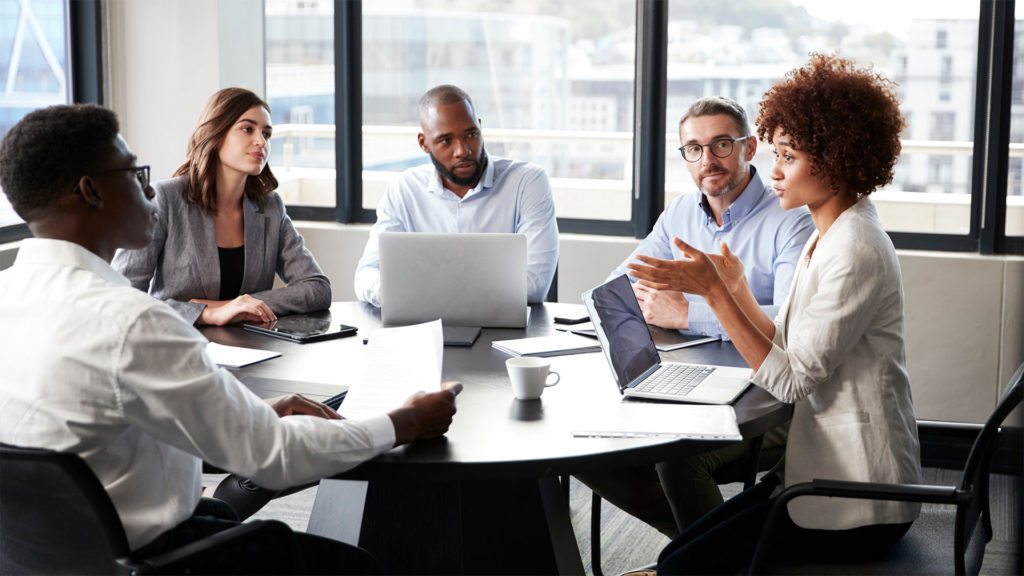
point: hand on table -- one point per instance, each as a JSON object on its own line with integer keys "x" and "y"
{"x": 296, "y": 404}
{"x": 245, "y": 308}
{"x": 665, "y": 308}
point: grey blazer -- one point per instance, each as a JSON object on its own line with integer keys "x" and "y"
{"x": 182, "y": 261}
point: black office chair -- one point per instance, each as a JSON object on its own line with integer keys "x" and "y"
{"x": 939, "y": 538}
{"x": 56, "y": 518}
{"x": 743, "y": 470}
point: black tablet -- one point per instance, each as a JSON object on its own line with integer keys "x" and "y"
{"x": 303, "y": 328}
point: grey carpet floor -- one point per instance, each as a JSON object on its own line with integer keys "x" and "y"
{"x": 627, "y": 543}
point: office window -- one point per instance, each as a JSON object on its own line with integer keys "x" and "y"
{"x": 300, "y": 90}
{"x": 740, "y": 55}
{"x": 552, "y": 83}
{"x": 1015, "y": 179}
{"x": 33, "y": 73}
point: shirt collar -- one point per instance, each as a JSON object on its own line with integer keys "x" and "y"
{"x": 436, "y": 185}
{"x": 740, "y": 207}
{"x": 49, "y": 252}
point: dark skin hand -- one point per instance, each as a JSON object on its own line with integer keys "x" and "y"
{"x": 423, "y": 415}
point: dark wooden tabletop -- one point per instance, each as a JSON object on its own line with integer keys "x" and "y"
{"x": 493, "y": 434}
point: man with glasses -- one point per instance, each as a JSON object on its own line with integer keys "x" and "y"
{"x": 732, "y": 206}
{"x": 94, "y": 367}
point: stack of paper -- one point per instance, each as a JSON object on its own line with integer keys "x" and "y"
{"x": 554, "y": 345}
{"x": 385, "y": 384}
{"x": 236, "y": 356}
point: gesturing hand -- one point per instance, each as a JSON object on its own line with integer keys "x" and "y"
{"x": 695, "y": 274}
{"x": 730, "y": 269}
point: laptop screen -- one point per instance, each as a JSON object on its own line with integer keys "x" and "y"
{"x": 621, "y": 329}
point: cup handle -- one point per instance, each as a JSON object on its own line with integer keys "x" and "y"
{"x": 557, "y": 378}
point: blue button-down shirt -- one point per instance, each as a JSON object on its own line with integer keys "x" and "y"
{"x": 766, "y": 238}
{"x": 511, "y": 197}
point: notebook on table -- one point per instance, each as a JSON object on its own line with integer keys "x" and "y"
{"x": 464, "y": 279}
{"x": 639, "y": 372}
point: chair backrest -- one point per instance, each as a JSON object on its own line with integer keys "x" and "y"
{"x": 976, "y": 473}
{"x": 55, "y": 516}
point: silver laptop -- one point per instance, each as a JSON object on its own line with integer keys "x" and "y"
{"x": 463, "y": 279}
{"x": 639, "y": 371}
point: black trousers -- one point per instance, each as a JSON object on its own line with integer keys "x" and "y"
{"x": 301, "y": 553}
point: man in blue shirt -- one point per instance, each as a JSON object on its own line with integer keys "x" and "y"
{"x": 464, "y": 190}
{"x": 733, "y": 206}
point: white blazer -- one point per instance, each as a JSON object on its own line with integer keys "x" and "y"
{"x": 839, "y": 355}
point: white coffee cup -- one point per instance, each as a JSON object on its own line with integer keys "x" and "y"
{"x": 529, "y": 376}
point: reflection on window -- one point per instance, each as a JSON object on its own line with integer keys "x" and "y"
{"x": 552, "y": 83}
{"x": 930, "y": 51}
{"x": 32, "y": 66}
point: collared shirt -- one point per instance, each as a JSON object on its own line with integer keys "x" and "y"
{"x": 766, "y": 238}
{"x": 839, "y": 356}
{"x": 511, "y": 197}
{"x": 98, "y": 368}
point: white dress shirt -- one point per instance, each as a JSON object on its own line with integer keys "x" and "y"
{"x": 511, "y": 197}
{"x": 839, "y": 355}
{"x": 98, "y": 368}
{"x": 765, "y": 237}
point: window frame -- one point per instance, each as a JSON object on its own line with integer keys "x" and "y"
{"x": 83, "y": 28}
{"x": 991, "y": 139}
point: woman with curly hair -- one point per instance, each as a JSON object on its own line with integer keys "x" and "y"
{"x": 223, "y": 233}
{"x": 836, "y": 349}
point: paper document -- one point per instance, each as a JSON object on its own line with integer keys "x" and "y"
{"x": 235, "y": 356}
{"x": 554, "y": 345}
{"x": 399, "y": 363}
{"x": 645, "y": 419}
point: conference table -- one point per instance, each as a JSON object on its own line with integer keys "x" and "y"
{"x": 486, "y": 497}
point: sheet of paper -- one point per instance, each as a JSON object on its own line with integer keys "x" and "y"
{"x": 399, "y": 362}
{"x": 235, "y": 356}
{"x": 629, "y": 419}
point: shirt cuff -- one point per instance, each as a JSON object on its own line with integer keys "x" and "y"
{"x": 703, "y": 321}
{"x": 381, "y": 431}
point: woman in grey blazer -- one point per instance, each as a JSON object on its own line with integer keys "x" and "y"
{"x": 223, "y": 232}
{"x": 836, "y": 348}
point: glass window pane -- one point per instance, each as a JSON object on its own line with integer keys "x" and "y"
{"x": 552, "y": 82}
{"x": 32, "y": 66}
{"x": 1015, "y": 178}
{"x": 299, "y": 49}
{"x": 929, "y": 49}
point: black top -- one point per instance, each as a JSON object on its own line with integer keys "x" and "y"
{"x": 232, "y": 266}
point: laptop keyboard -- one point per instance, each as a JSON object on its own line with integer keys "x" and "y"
{"x": 674, "y": 379}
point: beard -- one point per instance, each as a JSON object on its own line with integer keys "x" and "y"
{"x": 449, "y": 174}
{"x": 733, "y": 181}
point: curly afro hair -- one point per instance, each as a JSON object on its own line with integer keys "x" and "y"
{"x": 847, "y": 119}
{"x": 46, "y": 152}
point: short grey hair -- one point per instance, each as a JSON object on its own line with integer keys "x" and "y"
{"x": 441, "y": 95}
{"x": 715, "y": 106}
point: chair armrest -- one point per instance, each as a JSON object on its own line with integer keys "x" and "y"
{"x": 192, "y": 557}
{"x": 850, "y": 489}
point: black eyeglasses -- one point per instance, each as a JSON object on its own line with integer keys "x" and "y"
{"x": 141, "y": 173}
{"x": 720, "y": 148}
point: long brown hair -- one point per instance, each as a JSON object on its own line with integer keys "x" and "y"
{"x": 221, "y": 112}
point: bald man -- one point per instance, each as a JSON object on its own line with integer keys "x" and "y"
{"x": 464, "y": 190}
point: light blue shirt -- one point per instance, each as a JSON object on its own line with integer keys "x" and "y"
{"x": 766, "y": 238}
{"x": 511, "y": 197}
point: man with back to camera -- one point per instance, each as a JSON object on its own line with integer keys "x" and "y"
{"x": 732, "y": 206}
{"x": 107, "y": 372}
{"x": 464, "y": 190}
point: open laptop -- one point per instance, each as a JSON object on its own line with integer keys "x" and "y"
{"x": 639, "y": 371}
{"x": 463, "y": 279}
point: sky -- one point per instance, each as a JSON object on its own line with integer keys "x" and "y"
{"x": 892, "y": 15}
